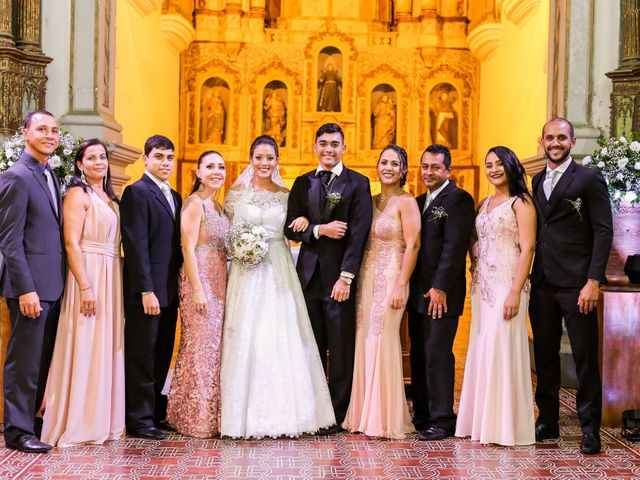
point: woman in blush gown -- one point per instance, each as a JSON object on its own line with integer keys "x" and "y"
{"x": 84, "y": 399}
{"x": 194, "y": 398}
{"x": 378, "y": 406}
{"x": 272, "y": 380}
{"x": 496, "y": 404}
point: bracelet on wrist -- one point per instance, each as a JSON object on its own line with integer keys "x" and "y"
{"x": 85, "y": 288}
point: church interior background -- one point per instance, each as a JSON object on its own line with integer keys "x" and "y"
{"x": 214, "y": 74}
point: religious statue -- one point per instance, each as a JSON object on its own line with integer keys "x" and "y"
{"x": 215, "y": 116}
{"x": 329, "y": 86}
{"x": 384, "y": 122}
{"x": 444, "y": 117}
{"x": 275, "y": 116}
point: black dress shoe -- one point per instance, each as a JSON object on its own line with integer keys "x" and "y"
{"x": 434, "y": 433}
{"x": 590, "y": 443}
{"x": 164, "y": 425}
{"x": 547, "y": 432}
{"x": 30, "y": 444}
{"x": 332, "y": 430}
{"x": 152, "y": 433}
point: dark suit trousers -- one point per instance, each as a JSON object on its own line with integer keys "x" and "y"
{"x": 548, "y": 305}
{"x": 433, "y": 367}
{"x": 148, "y": 348}
{"x": 334, "y": 327}
{"x": 26, "y": 368}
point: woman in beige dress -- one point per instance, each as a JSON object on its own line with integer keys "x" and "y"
{"x": 378, "y": 406}
{"x": 84, "y": 399}
{"x": 194, "y": 398}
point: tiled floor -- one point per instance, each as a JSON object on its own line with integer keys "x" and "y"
{"x": 336, "y": 457}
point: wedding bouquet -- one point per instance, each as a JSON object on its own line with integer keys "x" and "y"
{"x": 618, "y": 159}
{"x": 61, "y": 160}
{"x": 247, "y": 244}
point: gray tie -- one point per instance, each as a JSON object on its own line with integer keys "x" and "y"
{"x": 547, "y": 185}
{"x": 52, "y": 189}
{"x": 427, "y": 201}
{"x": 166, "y": 190}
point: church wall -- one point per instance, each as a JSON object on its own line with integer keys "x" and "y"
{"x": 513, "y": 90}
{"x": 147, "y": 81}
{"x": 56, "y": 31}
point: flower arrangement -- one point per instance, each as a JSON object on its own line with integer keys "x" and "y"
{"x": 576, "y": 205}
{"x": 618, "y": 159}
{"x": 60, "y": 161}
{"x": 438, "y": 213}
{"x": 333, "y": 198}
{"x": 247, "y": 244}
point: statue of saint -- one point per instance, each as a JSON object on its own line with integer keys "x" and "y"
{"x": 384, "y": 122}
{"x": 275, "y": 116}
{"x": 444, "y": 117}
{"x": 329, "y": 86}
{"x": 215, "y": 118}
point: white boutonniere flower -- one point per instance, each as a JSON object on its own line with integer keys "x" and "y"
{"x": 333, "y": 198}
{"x": 438, "y": 213}
{"x": 576, "y": 205}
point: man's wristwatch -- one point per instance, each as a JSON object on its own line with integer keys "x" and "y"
{"x": 346, "y": 280}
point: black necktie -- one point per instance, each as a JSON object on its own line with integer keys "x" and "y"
{"x": 325, "y": 178}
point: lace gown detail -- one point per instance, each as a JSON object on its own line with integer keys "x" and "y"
{"x": 378, "y": 406}
{"x": 194, "y": 398}
{"x": 272, "y": 379}
{"x": 496, "y": 404}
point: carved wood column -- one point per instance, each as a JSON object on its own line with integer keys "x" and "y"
{"x": 6, "y": 34}
{"x": 28, "y": 34}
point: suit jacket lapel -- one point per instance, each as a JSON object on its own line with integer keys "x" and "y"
{"x": 42, "y": 180}
{"x": 314, "y": 193}
{"x": 440, "y": 197}
{"x": 155, "y": 189}
{"x": 561, "y": 187}
{"x": 338, "y": 185}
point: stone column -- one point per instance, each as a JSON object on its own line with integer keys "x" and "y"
{"x": 256, "y": 21}
{"x": 630, "y": 33}
{"x": 6, "y": 34}
{"x": 233, "y": 32}
{"x": 430, "y": 24}
{"x": 28, "y": 35}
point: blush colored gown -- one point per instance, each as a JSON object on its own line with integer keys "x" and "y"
{"x": 272, "y": 379}
{"x": 496, "y": 404}
{"x": 378, "y": 406}
{"x": 84, "y": 400}
{"x": 194, "y": 398}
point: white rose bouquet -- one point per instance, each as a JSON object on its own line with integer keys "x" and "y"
{"x": 60, "y": 161}
{"x": 247, "y": 244}
{"x": 618, "y": 159}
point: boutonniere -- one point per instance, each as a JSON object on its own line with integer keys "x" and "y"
{"x": 333, "y": 198}
{"x": 576, "y": 205}
{"x": 438, "y": 213}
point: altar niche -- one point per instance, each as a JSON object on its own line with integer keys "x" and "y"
{"x": 384, "y": 101}
{"x": 443, "y": 115}
{"x": 274, "y": 111}
{"x": 214, "y": 108}
{"x": 330, "y": 73}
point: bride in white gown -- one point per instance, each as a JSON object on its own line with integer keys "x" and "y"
{"x": 272, "y": 380}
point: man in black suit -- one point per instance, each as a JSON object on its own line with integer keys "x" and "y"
{"x": 31, "y": 278}
{"x": 150, "y": 219}
{"x": 336, "y": 204}
{"x": 437, "y": 293}
{"x": 574, "y": 238}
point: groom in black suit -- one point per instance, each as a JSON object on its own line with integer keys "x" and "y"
{"x": 574, "y": 238}
{"x": 150, "y": 220}
{"x": 31, "y": 278}
{"x": 437, "y": 293}
{"x": 336, "y": 201}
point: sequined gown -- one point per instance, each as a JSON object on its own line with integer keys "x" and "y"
{"x": 496, "y": 404}
{"x": 194, "y": 398}
{"x": 85, "y": 389}
{"x": 378, "y": 406}
{"x": 272, "y": 379}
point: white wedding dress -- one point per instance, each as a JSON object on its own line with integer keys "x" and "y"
{"x": 272, "y": 380}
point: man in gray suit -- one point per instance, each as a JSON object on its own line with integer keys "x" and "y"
{"x": 31, "y": 277}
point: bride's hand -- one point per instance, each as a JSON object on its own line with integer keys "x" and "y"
{"x": 200, "y": 301}
{"x": 300, "y": 224}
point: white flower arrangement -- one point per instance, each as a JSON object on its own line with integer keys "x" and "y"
{"x": 61, "y": 160}
{"x": 576, "y": 205}
{"x": 438, "y": 213}
{"x": 333, "y": 198}
{"x": 247, "y": 244}
{"x": 618, "y": 159}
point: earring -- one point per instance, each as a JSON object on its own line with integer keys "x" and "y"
{"x": 82, "y": 177}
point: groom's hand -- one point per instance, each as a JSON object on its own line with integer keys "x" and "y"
{"x": 150, "y": 303}
{"x": 340, "y": 291}
{"x": 335, "y": 230}
{"x": 437, "y": 302}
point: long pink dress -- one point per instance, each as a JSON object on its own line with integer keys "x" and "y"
{"x": 378, "y": 406}
{"x": 194, "y": 397}
{"x": 496, "y": 403}
{"x": 84, "y": 400}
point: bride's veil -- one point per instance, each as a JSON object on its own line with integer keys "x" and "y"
{"x": 244, "y": 179}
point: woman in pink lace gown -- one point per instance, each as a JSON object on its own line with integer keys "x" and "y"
{"x": 84, "y": 400}
{"x": 194, "y": 398}
{"x": 378, "y": 406}
{"x": 496, "y": 404}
